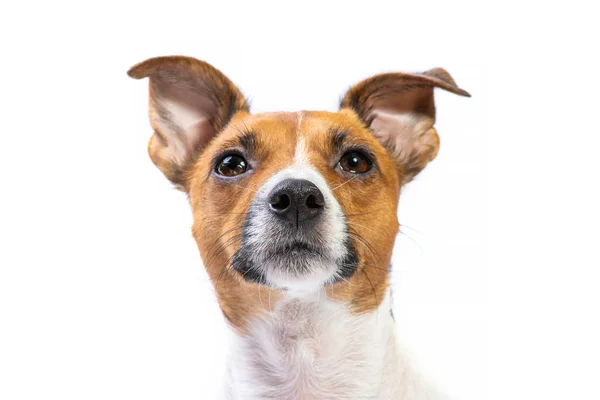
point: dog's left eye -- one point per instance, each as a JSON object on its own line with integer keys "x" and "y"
{"x": 355, "y": 162}
{"x": 232, "y": 165}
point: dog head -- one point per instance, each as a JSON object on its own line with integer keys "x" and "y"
{"x": 291, "y": 202}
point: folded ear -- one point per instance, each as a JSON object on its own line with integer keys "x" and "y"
{"x": 190, "y": 102}
{"x": 400, "y": 111}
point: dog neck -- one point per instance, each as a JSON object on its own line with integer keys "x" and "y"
{"x": 310, "y": 347}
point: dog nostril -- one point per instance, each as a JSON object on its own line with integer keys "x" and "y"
{"x": 313, "y": 202}
{"x": 280, "y": 203}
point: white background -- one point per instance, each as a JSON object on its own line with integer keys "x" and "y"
{"x": 102, "y": 293}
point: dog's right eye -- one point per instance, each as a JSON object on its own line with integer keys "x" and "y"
{"x": 232, "y": 165}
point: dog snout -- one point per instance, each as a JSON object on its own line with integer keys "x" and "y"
{"x": 296, "y": 201}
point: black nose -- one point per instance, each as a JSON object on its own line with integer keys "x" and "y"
{"x": 296, "y": 200}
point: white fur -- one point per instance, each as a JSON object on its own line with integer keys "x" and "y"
{"x": 300, "y": 154}
{"x": 310, "y": 347}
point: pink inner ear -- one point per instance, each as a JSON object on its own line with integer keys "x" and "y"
{"x": 410, "y": 136}
{"x": 182, "y": 112}
{"x": 394, "y": 128}
{"x": 183, "y": 121}
{"x": 200, "y": 134}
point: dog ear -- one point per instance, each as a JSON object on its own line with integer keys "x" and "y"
{"x": 399, "y": 109}
{"x": 190, "y": 102}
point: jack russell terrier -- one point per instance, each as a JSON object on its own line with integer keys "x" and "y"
{"x": 295, "y": 217}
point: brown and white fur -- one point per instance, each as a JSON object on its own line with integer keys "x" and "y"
{"x": 297, "y": 237}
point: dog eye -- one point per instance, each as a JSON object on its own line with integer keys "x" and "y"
{"x": 232, "y": 165}
{"x": 355, "y": 162}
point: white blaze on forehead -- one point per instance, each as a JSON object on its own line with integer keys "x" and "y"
{"x": 300, "y": 155}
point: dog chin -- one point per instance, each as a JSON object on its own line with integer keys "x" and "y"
{"x": 305, "y": 275}
{"x": 295, "y": 267}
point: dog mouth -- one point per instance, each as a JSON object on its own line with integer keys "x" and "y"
{"x": 294, "y": 257}
{"x": 294, "y": 261}
{"x": 293, "y": 250}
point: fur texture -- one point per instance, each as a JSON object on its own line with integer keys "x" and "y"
{"x": 310, "y": 348}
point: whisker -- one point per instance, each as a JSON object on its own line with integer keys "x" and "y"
{"x": 226, "y": 232}
{"x": 259, "y": 297}
{"x": 223, "y": 270}
{"x": 270, "y": 308}
{"x": 227, "y": 213}
{"x": 217, "y": 252}
{"x": 342, "y": 184}
{"x": 248, "y": 270}
{"x": 366, "y": 227}
{"x": 353, "y": 234}
{"x": 243, "y": 187}
{"x": 362, "y": 243}
{"x": 238, "y": 129}
{"x": 360, "y": 214}
{"x": 245, "y": 126}
{"x": 411, "y": 239}
{"x": 345, "y": 280}
{"x": 195, "y": 228}
{"x": 376, "y": 267}
{"x": 370, "y": 283}
{"x": 412, "y": 229}
{"x": 332, "y": 292}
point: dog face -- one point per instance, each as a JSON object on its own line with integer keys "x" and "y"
{"x": 291, "y": 202}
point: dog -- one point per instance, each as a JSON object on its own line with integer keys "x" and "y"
{"x": 295, "y": 218}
